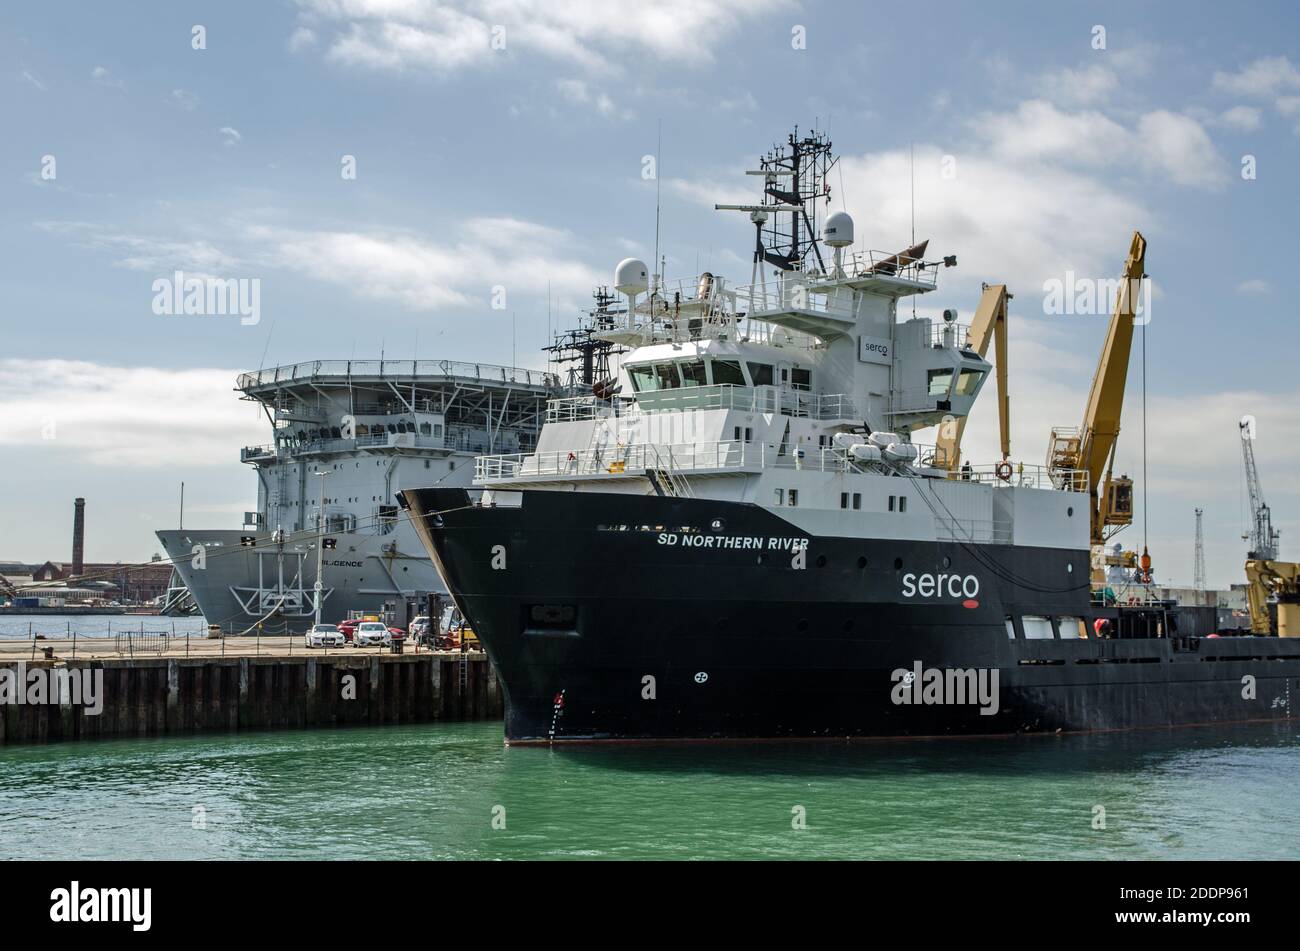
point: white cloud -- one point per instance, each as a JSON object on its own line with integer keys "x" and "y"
{"x": 445, "y": 36}
{"x": 183, "y": 98}
{"x": 148, "y": 252}
{"x": 301, "y": 39}
{"x": 577, "y": 91}
{"x": 1245, "y": 118}
{"x": 420, "y": 274}
{"x": 1086, "y": 85}
{"x": 1262, "y": 79}
{"x": 232, "y": 136}
{"x": 1177, "y": 145}
{"x": 1008, "y": 223}
{"x": 103, "y": 77}
{"x": 1166, "y": 143}
{"x": 28, "y": 77}
{"x": 1254, "y": 286}
{"x": 122, "y": 416}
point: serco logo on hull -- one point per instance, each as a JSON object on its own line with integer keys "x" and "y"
{"x": 943, "y": 585}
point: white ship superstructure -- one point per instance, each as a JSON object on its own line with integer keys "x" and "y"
{"x": 346, "y": 437}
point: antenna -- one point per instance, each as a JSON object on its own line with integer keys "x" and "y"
{"x": 1198, "y": 567}
{"x": 659, "y": 148}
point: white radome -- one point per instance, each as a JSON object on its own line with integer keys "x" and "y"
{"x": 631, "y": 276}
{"x": 837, "y": 232}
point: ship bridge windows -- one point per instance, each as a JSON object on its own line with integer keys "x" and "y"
{"x": 968, "y": 381}
{"x": 800, "y": 379}
{"x": 728, "y": 373}
{"x": 761, "y": 373}
{"x": 694, "y": 373}
{"x": 940, "y": 381}
{"x": 649, "y": 377}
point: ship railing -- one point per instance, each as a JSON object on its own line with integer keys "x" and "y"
{"x": 789, "y": 401}
{"x": 251, "y": 453}
{"x": 394, "y": 369}
{"x": 793, "y": 294}
{"x": 687, "y": 457}
{"x": 577, "y": 408}
{"x": 1018, "y": 475}
{"x": 947, "y": 335}
{"x": 890, "y": 264}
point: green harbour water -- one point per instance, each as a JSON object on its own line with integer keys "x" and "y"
{"x": 433, "y": 792}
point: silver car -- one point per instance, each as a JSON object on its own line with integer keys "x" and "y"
{"x": 324, "y": 635}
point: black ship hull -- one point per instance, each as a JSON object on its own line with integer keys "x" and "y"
{"x": 620, "y": 617}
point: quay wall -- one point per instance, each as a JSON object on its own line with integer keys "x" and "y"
{"x": 155, "y": 696}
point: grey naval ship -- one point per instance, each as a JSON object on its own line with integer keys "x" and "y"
{"x": 738, "y": 535}
{"x": 347, "y": 436}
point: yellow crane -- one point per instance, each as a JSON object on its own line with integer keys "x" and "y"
{"x": 1279, "y": 580}
{"x": 990, "y": 321}
{"x": 1090, "y": 448}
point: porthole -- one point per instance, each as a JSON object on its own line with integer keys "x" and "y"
{"x": 821, "y": 561}
{"x": 762, "y": 558}
{"x": 721, "y": 624}
{"x": 802, "y": 625}
{"x": 848, "y": 626}
{"x": 947, "y": 562}
{"x": 898, "y": 564}
{"x": 1069, "y": 512}
{"x": 1069, "y": 567}
{"x": 862, "y": 562}
{"x": 718, "y": 525}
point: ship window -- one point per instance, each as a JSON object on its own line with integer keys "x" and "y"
{"x": 892, "y": 500}
{"x": 727, "y": 373}
{"x": 426, "y": 429}
{"x": 968, "y": 382}
{"x": 857, "y": 500}
{"x": 1037, "y": 627}
{"x": 1070, "y": 627}
{"x": 693, "y": 374}
{"x": 1011, "y": 628}
{"x": 902, "y": 503}
{"x": 780, "y": 496}
{"x": 844, "y": 500}
{"x": 643, "y": 378}
{"x": 794, "y": 496}
{"x": 666, "y": 376}
{"x": 800, "y": 379}
{"x": 940, "y": 380}
{"x": 761, "y": 374}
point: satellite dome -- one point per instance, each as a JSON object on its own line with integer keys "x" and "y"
{"x": 837, "y": 232}
{"x": 631, "y": 276}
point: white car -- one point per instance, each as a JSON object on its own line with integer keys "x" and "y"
{"x": 324, "y": 635}
{"x": 371, "y": 633}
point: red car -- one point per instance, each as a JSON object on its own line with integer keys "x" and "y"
{"x": 348, "y": 628}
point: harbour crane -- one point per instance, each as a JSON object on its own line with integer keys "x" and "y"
{"x": 1262, "y": 535}
{"x": 989, "y": 322}
{"x": 1090, "y": 448}
{"x": 1267, "y": 579}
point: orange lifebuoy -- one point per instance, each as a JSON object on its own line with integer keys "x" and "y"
{"x": 1003, "y": 469}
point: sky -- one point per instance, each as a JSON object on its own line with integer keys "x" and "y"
{"x": 382, "y": 168}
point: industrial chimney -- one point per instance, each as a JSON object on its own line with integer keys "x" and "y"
{"x": 78, "y": 537}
